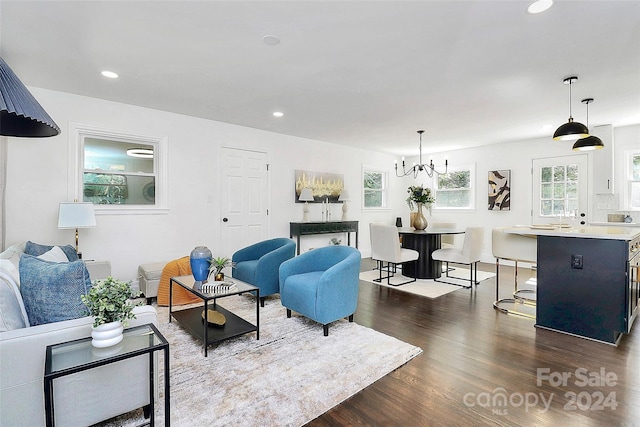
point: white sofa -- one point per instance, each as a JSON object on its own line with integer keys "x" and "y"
{"x": 80, "y": 399}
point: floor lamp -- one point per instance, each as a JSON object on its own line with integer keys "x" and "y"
{"x": 20, "y": 116}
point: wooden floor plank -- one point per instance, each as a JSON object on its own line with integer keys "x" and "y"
{"x": 473, "y": 354}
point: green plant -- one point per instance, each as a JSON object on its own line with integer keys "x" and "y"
{"x": 108, "y": 301}
{"x": 419, "y": 194}
{"x": 218, "y": 264}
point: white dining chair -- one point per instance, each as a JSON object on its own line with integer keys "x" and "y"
{"x": 446, "y": 240}
{"x": 469, "y": 255}
{"x": 385, "y": 248}
{"x": 516, "y": 248}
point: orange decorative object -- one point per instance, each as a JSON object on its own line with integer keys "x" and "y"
{"x": 178, "y": 267}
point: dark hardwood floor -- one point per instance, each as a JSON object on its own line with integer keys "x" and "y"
{"x": 475, "y": 358}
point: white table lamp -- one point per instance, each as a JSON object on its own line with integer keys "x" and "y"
{"x": 344, "y": 197}
{"x": 76, "y": 215}
{"x": 306, "y": 196}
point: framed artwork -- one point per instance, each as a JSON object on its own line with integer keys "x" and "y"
{"x": 324, "y": 186}
{"x": 500, "y": 190}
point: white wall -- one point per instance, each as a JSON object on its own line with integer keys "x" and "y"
{"x": 37, "y": 182}
{"x": 518, "y": 156}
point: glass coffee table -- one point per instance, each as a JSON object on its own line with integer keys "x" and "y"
{"x": 79, "y": 355}
{"x": 192, "y": 318}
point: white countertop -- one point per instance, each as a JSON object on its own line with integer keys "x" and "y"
{"x": 609, "y": 232}
{"x": 616, "y": 224}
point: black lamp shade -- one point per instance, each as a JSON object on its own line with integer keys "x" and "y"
{"x": 587, "y": 144}
{"x": 571, "y": 131}
{"x": 20, "y": 114}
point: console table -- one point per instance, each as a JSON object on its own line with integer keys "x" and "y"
{"x": 324, "y": 227}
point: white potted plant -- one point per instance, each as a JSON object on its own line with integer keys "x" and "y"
{"x": 109, "y": 302}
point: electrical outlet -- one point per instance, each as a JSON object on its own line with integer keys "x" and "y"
{"x": 576, "y": 261}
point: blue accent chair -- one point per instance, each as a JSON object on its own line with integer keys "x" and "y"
{"x": 258, "y": 264}
{"x": 322, "y": 284}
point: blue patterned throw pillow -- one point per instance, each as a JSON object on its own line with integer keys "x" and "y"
{"x": 37, "y": 249}
{"x": 51, "y": 291}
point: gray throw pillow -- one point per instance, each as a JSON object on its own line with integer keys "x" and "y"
{"x": 51, "y": 291}
{"x": 37, "y": 249}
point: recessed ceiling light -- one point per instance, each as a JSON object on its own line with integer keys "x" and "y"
{"x": 110, "y": 74}
{"x": 539, "y": 6}
{"x": 278, "y": 114}
{"x": 271, "y": 40}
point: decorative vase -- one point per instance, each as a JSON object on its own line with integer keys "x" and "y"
{"x": 107, "y": 334}
{"x": 420, "y": 222}
{"x": 219, "y": 277}
{"x": 199, "y": 261}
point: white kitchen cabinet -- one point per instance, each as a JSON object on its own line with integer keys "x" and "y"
{"x": 603, "y": 160}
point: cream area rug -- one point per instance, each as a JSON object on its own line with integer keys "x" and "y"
{"x": 288, "y": 377}
{"x": 426, "y": 287}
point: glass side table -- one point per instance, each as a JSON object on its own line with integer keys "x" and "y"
{"x": 79, "y": 355}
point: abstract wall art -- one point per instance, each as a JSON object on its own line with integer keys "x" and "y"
{"x": 500, "y": 190}
{"x": 324, "y": 186}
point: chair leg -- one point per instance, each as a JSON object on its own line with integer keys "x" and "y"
{"x": 514, "y": 300}
{"x": 262, "y": 301}
{"x": 497, "y": 279}
{"x": 351, "y": 318}
{"x": 471, "y": 281}
{"x": 325, "y": 329}
{"x": 288, "y": 313}
{"x": 395, "y": 266}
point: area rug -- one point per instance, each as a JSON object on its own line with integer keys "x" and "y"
{"x": 290, "y": 376}
{"x": 426, "y": 287}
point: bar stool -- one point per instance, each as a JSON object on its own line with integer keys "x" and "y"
{"x": 516, "y": 248}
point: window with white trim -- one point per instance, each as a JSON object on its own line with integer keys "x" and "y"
{"x": 374, "y": 188}
{"x": 118, "y": 172}
{"x": 632, "y": 175}
{"x": 455, "y": 189}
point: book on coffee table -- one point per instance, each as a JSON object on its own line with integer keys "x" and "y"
{"x": 219, "y": 287}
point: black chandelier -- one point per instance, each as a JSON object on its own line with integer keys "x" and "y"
{"x": 429, "y": 169}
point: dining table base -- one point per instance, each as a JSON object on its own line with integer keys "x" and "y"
{"x": 424, "y": 267}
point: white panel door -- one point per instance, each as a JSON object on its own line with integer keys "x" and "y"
{"x": 243, "y": 198}
{"x": 560, "y": 190}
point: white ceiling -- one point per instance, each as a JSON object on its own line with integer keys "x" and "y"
{"x": 360, "y": 73}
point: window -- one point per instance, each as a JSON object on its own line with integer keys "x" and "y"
{"x": 559, "y": 190}
{"x": 375, "y": 189}
{"x": 119, "y": 173}
{"x": 632, "y": 193}
{"x": 455, "y": 189}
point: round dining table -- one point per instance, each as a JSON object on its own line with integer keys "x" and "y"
{"x": 425, "y": 242}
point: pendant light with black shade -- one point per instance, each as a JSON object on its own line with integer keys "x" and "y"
{"x": 591, "y": 142}
{"x": 570, "y": 130}
{"x": 20, "y": 114}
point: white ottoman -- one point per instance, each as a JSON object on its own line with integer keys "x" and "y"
{"x": 149, "y": 278}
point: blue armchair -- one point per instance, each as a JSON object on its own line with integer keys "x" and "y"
{"x": 258, "y": 264}
{"x": 322, "y": 284}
